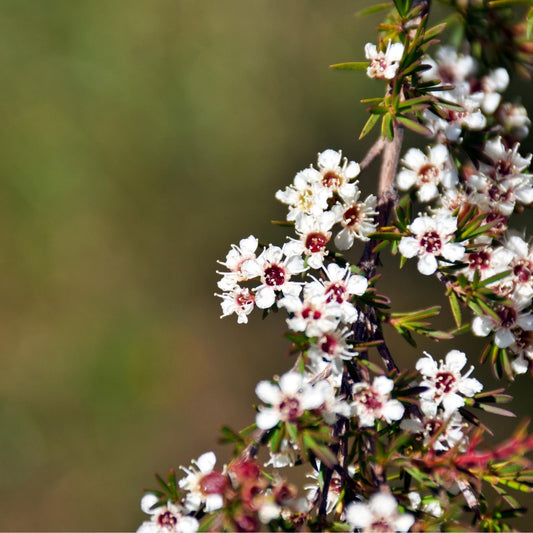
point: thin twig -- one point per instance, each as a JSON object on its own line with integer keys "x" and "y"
{"x": 374, "y": 151}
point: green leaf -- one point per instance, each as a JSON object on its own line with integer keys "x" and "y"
{"x": 351, "y": 65}
{"x": 414, "y": 126}
{"x": 373, "y": 9}
{"x": 370, "y": 123}
{"x": 456, "y": 308}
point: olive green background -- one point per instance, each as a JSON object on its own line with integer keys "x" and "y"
{"x": 138, "y": 139}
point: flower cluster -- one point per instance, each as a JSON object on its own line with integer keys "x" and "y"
{"x": 389, "y": 450}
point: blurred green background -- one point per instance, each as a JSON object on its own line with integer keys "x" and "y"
{"x": 138, "y": 140}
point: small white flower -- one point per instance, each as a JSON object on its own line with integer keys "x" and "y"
{"x": 288, "y": 400}
{"x": 440, "y": 431}
{"x": 374, "y": 401}
{"x": 204, "y": 485}
{"x": 332, "y": 347}
{"x": 337, "y": 174}
{"x": 274, "y": 267}
{"x": 339, "y": 287}
{"x": 383, "y": 65}
{"x": 449, "y": 66}
{"x": 356, "y": 218}
{"x": 167, "y": 518}
{"x": 514, "y": 119}
{"x": 235, "y": 258}
{"x": 239, "y": 301}
{"x": 511, "y": 320}
{"x": 380, "y": 514}
{"x": 426, "y": 173}
{"x": 314, "y": 233}
{"x": 314, "y": 314}
{"x": 445, "y": 385}
{"x": 431, "y": 239}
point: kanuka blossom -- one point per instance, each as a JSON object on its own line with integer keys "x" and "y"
{"x": 432, "y": 239}
{"x": 306, "y": 196}
{"x": 510, "y": 321}
{"x": 332, "y": 346}
{"x": 486, "y": 260}
{"x": 494, "y": 83}
{"x": 337, "y": 173}
{"x": 339, "y": 287}
{"x": 357, "y": 219}
{"x": 239, "y": 300}
{"x": 522, "y": 347}
{"x": 371, "y": 401}
{"x": 314, "y": 233}
{"x": 275, "y": 267}
{"x": 440, "y": 431}
{"x": 235, "y": 258}
{"x": 513, "y": 117}
{"x": 203, "y": 484}
{"x": 168, "y": 518}
{"x": 449, "y": 66}
{"x": 379, "y": 514}
{"x": 288, "y": 400}
{"x": 313, "y": 315}
{"x": 383, "y": 65}
{"x": 444, "y": 384}
{"x": 426, "y": 173}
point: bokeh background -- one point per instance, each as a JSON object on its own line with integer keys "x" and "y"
{"x": 137, "y": 141}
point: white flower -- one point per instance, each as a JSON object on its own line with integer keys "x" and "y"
{"x": 204, "y": 485}
{"x": 440, "y": 431}
{"x": 430, "y": 506}
{"x": 314, "y": 233}
{"x": 373, "y": 401}
{"x": 332, "y": 347}
{"x": 514, "y": 119}
{"x": 492, "y": 85}
{"x": 337, "y": 173}
{"x": 432, "y": 236}
{"x": 235, "y": 258}
{"x": 511, "y": 321}
{"x": 239, "y": 301}
{"x": 450, "y": 66}
{"x": 288, "y": 400}
{"x": 426, "y": 173}
{"x": 339, "y": 287}
{"x": 445, "y": 385}
{"x": 356, "y": 218}
{"x": 306, "y": 196}
{"x": 314, "y": 314}
{"x": 383, "y": 64}
{"x": 286, "y": 455}
{"x": 167, "y": 518}
{"x": 380, "y": 514}
{"x": 274, "y": 266}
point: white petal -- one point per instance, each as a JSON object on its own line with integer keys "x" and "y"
{"x": 405, "y": 179}
{"x": 414, "y": 159}
{"x": 469, "y": 387}
{"x": 265, "y": 297}
{"x": 329, "y": 159}
{"x": 213, "y": 502}
{"x": 312, "y": 398}
{"x": 393, "y": 410}
{"x": 370, "y": 51}
{"x": 344, "y": 239}
{"x": 438, "y": 155}
{"x": 427, "y": 366}
{"x": 455, "y": 360}
{"x": 427, "y": 264}
{"x": 403, "y": 522}
{"x": 267, "y": 418}
{"x": 206, "y": 462}
{"x": 520, "y": 365}
{"x": 383, "y": 384}
{"x": 395, "y": 52}
{"x": 188, "y": 524}
{"x": 421, "y": 225}
{"x": 427, "y": 192}
{"x": 383, "y": 504}
{"x": 358, "y": 515}
{"x": 290, "y": 383}
{"x": 503, "y": 338}
{"x": 147, "y": 501}
{"x": 357, "y": 285}
{"x": 352, "y": 170}
{"x": 148, "y": 527}
{"x": 268, "y": 392}
{"x": 408, "y": 247}
{"x": 453, "y": 252}
{"x": 481, "y": 326}
{"x": 452, "y": 402}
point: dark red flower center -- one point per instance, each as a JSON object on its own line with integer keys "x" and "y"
{"x": 336, "y": 292}
{"x": 352, "y": 216}
{"x": 504, "y": 167}
{"x": 167, "y": 519}
{"x": 428, "y": 173}
{"x": 479, "y": 260}
{"x": 290, "y": 409}
{"x": 522, "y": 270}
{"x": 444, "y": 382}
{"x": 309, "y": 313}
{"x": 244, "y": 298}
{"x": 274, "y": 276}
{"x": 316, "y": 242}
{"x": 507, "y": 317}
{"x": 431, "y": 242}
{"x": 370, "y": 400}
{"x": 329, "y": 344}
{"x": 332, "y": 180}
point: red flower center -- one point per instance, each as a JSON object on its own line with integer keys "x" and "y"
{"x": 213, "y": 483}
{"x": 444, "y": 382}
{"x": 431, "y": 242}
{"x": 331, "y": 180}
{"x": 316, "y": 242}
{"x": 167, "y": 519}
{"x": 274, "y": 276}
{"x": 352, "y": 216}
